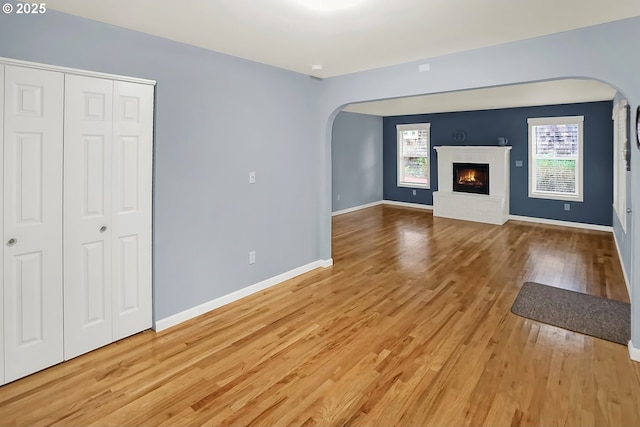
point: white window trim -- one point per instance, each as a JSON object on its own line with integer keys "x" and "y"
{"x": 399, "y": 166}
{"x": 579, "y": 120}
{"x": 620, "y": 134}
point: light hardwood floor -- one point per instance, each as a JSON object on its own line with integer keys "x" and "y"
{"x": 411, "y": 326}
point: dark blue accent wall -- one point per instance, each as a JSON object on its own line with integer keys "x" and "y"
{"x": 484, "y": 127}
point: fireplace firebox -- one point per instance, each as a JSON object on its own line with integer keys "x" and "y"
{"x": 471, "y": 178}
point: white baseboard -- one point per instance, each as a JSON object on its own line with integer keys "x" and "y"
{"x": 624, "y": 272}
{"x": 513, "y": 217}
{"x": 408, "y": 205}
{"x": 192, "y": 312}
{"x": 562, "y": 223}
{"x": 383, "y": 202}
{"x": 634, "y": 352}
{"x": 356, "y": 208}
{"x": 324, "y": 263}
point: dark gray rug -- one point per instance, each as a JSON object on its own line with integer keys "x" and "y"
{"x": 587, "y": 314}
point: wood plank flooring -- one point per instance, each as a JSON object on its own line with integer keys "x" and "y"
{"x": 410, "y": 327}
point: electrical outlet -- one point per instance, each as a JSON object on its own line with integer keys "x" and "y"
{"x": 567, "y": 207}
{"x": 252, "y": 177}
{"x": 518, "y": 163}
{"x": 338, "y": 197}
{"x": 252, "y": 257}
{"x": 414, "y": 192}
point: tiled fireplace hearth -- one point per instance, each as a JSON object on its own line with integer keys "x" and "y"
{"x": 466, "y": 167}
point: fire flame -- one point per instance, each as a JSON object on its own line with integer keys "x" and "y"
{"x": 467, "y": 176}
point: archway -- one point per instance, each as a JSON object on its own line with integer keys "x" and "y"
{"x": 578, "y": 93}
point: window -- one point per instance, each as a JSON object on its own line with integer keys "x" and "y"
{"x": 555, "y": 158}
{"x": 620, "y": 151}
{"x": 413, "y": 155}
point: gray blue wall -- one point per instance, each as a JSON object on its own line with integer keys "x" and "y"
{"x": 356, "y": 160}
{"x": 217, "y": 118}
{"x": 483, "y": 127}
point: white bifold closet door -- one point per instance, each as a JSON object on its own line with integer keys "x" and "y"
{"x": 88, "y": 130}
{"x": 32, "y": 223}
{"x": 2, "y": 310}
{"x": 107, "y": 211}
{"x": 131, "y": 207}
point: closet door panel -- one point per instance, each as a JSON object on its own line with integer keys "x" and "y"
{"x": 1, "y": 221}
{"x": 87, "y": 214}
{"x": 132, "y": 180}
{"x": 32, "y": 220}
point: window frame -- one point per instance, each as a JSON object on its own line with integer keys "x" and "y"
{"x": 563, "y": 120}
{"x": 621, "y": 118}
{"x": 400, "y": 156}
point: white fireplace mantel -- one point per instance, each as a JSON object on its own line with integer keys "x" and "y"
{"x": 492, "y": 208}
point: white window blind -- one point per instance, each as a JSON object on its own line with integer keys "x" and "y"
{"x": 413, "y": 155}
{"x": 555, "y": 158}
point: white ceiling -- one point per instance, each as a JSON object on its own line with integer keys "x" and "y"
{"x": 357, "y": 35}
{"x": 524, "y": 95}
{"x": 346, "y": 36}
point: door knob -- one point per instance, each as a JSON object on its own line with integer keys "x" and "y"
{"x": 12, "y": 242}
{"x": 103, "y": 228}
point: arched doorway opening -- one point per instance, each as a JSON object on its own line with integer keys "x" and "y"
{"x": 364, "y": 152}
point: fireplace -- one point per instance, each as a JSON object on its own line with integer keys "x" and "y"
{"x": 490, "y": 208}
{"x": 471, "y": 178}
